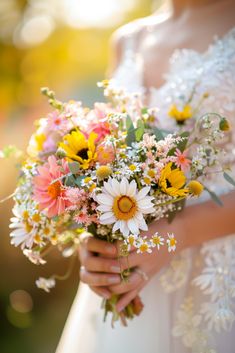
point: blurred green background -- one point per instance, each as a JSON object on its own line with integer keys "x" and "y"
{"x": 62, "y": 44}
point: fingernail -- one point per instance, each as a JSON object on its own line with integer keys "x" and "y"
{"x": 115, "y": 269}
{"x": 114, "y": 280}
{"x": 120, "y": 308}
{"x": 106, "y": 295}
{"x": 111, "y": 249}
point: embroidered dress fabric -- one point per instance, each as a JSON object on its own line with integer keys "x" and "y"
{"x": 189, "y": 305}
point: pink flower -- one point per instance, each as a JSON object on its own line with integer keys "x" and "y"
{"x": 84, "y": 218}
{"x": 181, "y": 160}
{"x": 49, "y": 145}
{"x": 58, "y": 122}
{"x": 105, "y": 154}
{"x": 48, "y": 191}
{"x": 75, "y": 196}
{"x": 101, "y": 129}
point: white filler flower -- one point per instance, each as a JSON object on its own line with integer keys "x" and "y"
{"x": 122, "y": 204}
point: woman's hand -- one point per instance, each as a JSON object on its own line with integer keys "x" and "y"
{"x": 101, "y": 267}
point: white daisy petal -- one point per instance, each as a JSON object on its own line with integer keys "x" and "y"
{"x": 123, "y": 186}
{"x": 116, "y": 226}
{"x": 105, "y": 199}
{"x": 133, "y": 226}
{"x": 110, "y": 220}
{"x": 106, "y": 215}
{"x": 146, "y": 201}
{"x": 142, "y": 193}
{"x": 104, "y": 208}
{"x": 143, "y": 225}
{"x": 110, "y": 190}
{"x": 126, "y": 230}
{"x": 147, "y": 210}
{"x": 115, "y": 186}
{"x": 138, "y": 216}
{"x": 131, "y": 191}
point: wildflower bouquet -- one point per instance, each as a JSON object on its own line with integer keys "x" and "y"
{"x": 108, "y": 171}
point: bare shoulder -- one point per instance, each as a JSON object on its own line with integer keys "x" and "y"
{"x": 135, "y": 29}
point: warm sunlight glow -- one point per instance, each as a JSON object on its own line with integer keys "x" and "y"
{"x": 93, "y": 13}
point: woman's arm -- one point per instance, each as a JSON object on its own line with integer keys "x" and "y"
{"x": 204, "y": 221}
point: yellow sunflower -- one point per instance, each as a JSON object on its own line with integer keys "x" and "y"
{"x": 172, "y": 181}
{"x": 181, "y": 116}
{"x": 78, "y": 148}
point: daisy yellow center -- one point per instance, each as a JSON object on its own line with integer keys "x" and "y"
{"x": 36, "y": 217}
{"x": 156, "y": 240}
{"x": 144, "y": 247}
{"x": 124, "y": 207}
{"x": 28, "y": 227}
{"x": 172, "y": 242}
{"x": 54, "y": 190}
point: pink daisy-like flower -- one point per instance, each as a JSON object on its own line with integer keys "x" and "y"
{"x": 181, "y": 160}
{"x": 84, "y": 218}
{"x": 101, "y": 129}
{"x": 48, "y": 190}
{"x": 58, "y": 122}
{"x": 105, "y": 154}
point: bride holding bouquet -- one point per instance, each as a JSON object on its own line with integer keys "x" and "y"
{"x": 183, "y": 64}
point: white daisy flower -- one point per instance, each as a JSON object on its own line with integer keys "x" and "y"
{"x": 45, "y": 283}
{"x": 171, "y": 242}
{"x": 157, "y": 241}
{"x": 34, "y": 257}
{"x": 124, "y": 206}
{"x": 144, "y": 246}
{"x": 23, "y": 232}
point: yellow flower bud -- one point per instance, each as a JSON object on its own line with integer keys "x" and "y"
{"x": 224, "y": 124}
{"x": 103, "y": 172}
{"x": 195, "y": 187}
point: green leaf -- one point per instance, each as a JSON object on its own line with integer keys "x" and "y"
{"x": 74, "y": 167}
{"x": 129, "y": 123}
{"x": 130, "y": 138}
{"x": 144, "y": 111}
{"x": 79, "y": 179}
{"x": 229, "y": 179}
{"x": 70, "y": 181}
{"x": 140, "y": 130}
{"x": 181, "y": 145}
{"x": 214, "y": 197}
{"x": 158, "y": 133}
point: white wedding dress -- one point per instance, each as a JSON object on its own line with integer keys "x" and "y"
{"x": 190, "y": 305}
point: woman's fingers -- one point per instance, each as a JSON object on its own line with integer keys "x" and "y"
{"x": 101, "y": 264}
{"x": 99, "y": 246}
{"x": 126, "y": 299}
{"x": 134, "y": 281}
{"x": 102, "y": 292}
{"x": 98, "y": 279}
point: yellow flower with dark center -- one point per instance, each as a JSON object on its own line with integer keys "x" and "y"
{"x": 180, "y": 115}
{"x": 78, "y": 148}
{"x": 172, "y": 181}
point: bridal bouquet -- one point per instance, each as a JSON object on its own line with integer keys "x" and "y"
{"x": 108, "y": 172}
